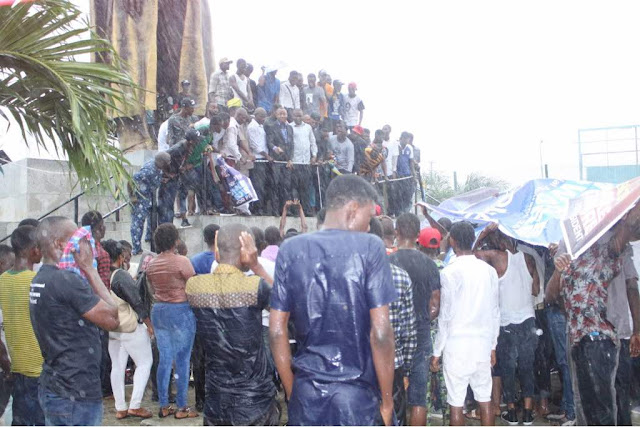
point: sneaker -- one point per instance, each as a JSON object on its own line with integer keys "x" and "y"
{"x": 185, "y": 223}
{"x": 510, "y": 417}
{"x": 567, "y": 422}
{"x": 527, "y": 419}
{"x": 556, "y": 416}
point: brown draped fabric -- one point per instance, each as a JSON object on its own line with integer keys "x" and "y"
{"x": 162, "y": 42}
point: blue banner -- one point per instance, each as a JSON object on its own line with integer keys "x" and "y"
{"x": 532, "y": 212}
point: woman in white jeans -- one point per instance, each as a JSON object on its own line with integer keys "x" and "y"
{"x": 136, "y": 344}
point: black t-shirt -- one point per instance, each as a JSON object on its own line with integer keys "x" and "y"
{"x": 425, "y": 278}
{"x": 69, "y": 344}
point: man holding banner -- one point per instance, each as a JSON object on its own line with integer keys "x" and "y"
{"x": 583, "y": 283}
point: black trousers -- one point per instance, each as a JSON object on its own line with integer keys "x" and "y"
{"x": 595, "y": 366}
{"x": 198, "y": 366}
{"x": 282, "y": 186}
{"x": 302, "y": 185}
{"x": 544, "y": 356}
{"x": 261, "y": 178}
{"x": 105, "y": 365}
{"x": 624, "y": 376}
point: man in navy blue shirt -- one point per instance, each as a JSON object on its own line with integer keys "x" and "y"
{"x": 336, "y": 287}
{"x": 202, "y": 265}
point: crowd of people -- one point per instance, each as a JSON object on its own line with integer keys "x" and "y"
{"x": 289, "y": 138}
{"x": 368, "y": 320}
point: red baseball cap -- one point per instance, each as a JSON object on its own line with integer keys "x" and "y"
{"x": 429, "y": 238}
{"x": 358, "y": 129}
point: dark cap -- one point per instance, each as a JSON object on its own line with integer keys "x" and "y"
{"x": 187, "y": 102}
{"x": 192, "y": 135}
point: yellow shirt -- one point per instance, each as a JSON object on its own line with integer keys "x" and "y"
{"x": 26, "y": 358}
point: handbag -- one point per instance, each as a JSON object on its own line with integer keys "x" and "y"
{"x": 126, "y": 315}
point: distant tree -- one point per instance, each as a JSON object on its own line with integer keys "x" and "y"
{"x": 475, "y": 180}
{"x": 438, "y": 187}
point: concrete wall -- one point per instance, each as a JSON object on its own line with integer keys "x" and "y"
{"x": 32, "y": 187}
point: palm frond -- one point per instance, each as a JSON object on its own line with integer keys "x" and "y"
{"x": 52, "y": 95}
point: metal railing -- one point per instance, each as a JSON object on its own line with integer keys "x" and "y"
{"x": 76, "y": 209}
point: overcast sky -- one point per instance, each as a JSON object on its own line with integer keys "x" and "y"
{"x": 480, "y": 84}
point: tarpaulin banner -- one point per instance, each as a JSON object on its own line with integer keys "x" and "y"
{"x": 591, "y": 215}
{"x": 240, "y": 187}
{"x": 532, "y": 212}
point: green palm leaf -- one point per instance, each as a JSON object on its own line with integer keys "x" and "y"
{"x": 52, "y": 95}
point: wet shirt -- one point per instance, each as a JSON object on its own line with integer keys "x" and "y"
{"x": 178, "y": 127}
{"x": 148, "y": 178}
{"x": 404, "y": 160}
{"x": 268, "y": 92}
{"x": 168, "y": 274}
{"x": 70, "y": 345}
{"x": 328, "y": 281}
{"x": 584, "y": 288}
{"x": 228, "y": 307}
{"x": 425, "y": 278}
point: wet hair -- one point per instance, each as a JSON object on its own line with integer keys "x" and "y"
{"x": 375, "y": 227}
{"x": 165, "y": 237}
{"x": 347, "y": 188}
{"x": 23, "y": 238}
{"x": 464, "y": 235}
{"x": 379, "y": 133}
{"x": 291, "y": 233}
{"x": 258, "y": 238}
{"x": 91, "y": 218}
{"x": 29, "y": 221}
{"x": 445, "y": 223}
{"x": 408, "y": 226}
{"x": 272, "y": 236}
{"x": 50, "y": 229}
{"x": 293, "y": 73}
{"x": 229, "y": 239}
{"x": 388, "y": 229}
{"x": 322, "y": 213}
{"x": 126, "y": 245}
{"x": 5, "y": 250}
{"x": 215, "y": 120}
{"x": 113, "y": 248}
{"x": 181, "y": 248}
{"x": 209, "y": 233}
{"x": 224, "y": 117}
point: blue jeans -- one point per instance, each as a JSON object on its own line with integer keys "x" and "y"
{"x": 558, "y": 329}
{"x": 60, "y": 411}
{"x": 417, "y": 391}
{"x": 175, "y": 330}
{"x": 26, "y": 408}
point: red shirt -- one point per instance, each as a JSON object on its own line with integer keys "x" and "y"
{"x": 104, "y": 265}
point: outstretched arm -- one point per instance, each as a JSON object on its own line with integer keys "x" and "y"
{"x": 283, "y": 217}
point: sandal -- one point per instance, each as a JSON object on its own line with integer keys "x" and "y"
{"x": 186, "y": 413}
{"x": 472, "y": 415}
{"x": 166, "y": 411}
{"x": 121, "y": 415}
{"x": 140, "y": 413}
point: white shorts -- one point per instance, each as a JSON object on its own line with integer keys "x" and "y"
{"x": 458, "y": 374}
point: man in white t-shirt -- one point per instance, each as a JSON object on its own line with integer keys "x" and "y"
{"x": 519, "y": 283}
{"x": 353, "y": 107}
{"x": 240, "y": 85}
{"x": 393, "y": 151}
{"x": 468, "y": 326}
{"x": 163, "y": 134}
{"x": 290, "y": 94}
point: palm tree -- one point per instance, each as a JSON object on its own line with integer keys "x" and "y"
{"x": 53, "y": 96}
